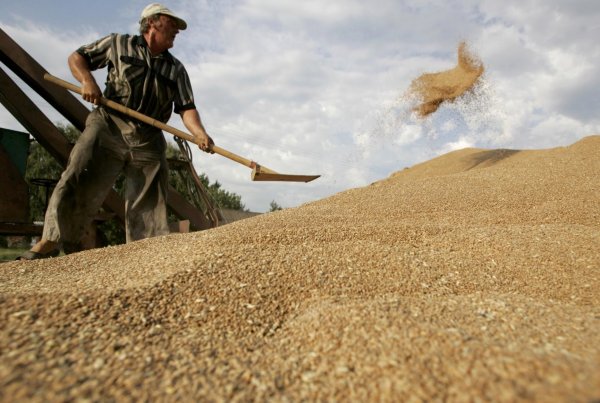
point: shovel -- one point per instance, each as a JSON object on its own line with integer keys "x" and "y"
{"x": 259, "y": 172}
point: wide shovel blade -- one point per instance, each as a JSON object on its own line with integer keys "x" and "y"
{"x": 264, "y": 176}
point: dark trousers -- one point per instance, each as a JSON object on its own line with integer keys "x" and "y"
{"x": 108, "y": 146}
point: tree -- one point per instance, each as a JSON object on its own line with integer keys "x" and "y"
{"x": 221, "y": 197}
{"x": 274, "y": 206}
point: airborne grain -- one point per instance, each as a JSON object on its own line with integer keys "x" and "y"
{"x": 433, "y": 89}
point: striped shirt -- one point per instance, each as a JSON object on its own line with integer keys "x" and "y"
{"x": 136, "y": 79}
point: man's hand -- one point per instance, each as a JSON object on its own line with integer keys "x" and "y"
{"x": 205, "y": 142}
{"x": 191, "y": 120}
{"x": 91, "y": 92}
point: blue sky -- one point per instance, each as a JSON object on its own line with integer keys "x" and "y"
{"x": 318, "y": 87}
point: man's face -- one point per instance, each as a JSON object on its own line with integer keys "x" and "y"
{"x": 166, "y": 30}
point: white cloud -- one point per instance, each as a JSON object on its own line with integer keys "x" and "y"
{"x": 558, "y": 130}
{"x": 461, "y": 143}
{"x": 49, "y": 46}
{"x": 316, "y": 87}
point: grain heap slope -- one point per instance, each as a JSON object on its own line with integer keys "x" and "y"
{"x": 471, "y": 276}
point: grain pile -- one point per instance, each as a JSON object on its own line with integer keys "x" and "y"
{"x": 471, "y": 277}
{"x": 432, "y": 89}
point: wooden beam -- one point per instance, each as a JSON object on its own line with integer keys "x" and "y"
{"x": 12, "y": 228}
{"x": 45, "y": 132}
{"x": 32, "y": 73}
{"x": 184, "y": 210}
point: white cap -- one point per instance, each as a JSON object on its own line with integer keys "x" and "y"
{"x": 156, "y": 8}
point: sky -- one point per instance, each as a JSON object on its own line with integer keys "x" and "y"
{"x": 319, "y": 87}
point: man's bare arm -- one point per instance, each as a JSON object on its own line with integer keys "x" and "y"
{"x": 191, "y": 120}
{"x": 90, "y": 91}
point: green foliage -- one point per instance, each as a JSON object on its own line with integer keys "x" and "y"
{"x": 9, "y": 254}
{"x": 224, "y": 198}
{"x": 221, "y": 197}
{"x": 273, "y": 206}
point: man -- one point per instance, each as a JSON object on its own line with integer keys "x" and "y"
{"x": 143, "y": 76}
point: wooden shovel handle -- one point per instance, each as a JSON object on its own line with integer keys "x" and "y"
{"x": 157, "y": 123}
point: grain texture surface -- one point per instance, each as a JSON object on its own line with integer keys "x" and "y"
{"x": 470, "y": 277}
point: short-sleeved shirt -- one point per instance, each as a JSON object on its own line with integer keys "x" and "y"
{"x": 150, "y": 85}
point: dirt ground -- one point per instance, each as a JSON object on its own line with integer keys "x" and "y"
{"x": 471, "y": 277}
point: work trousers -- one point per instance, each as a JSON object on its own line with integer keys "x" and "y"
{"x": 108, "y": 146}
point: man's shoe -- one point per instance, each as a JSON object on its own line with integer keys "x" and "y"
{"x": 30, "y": 255}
